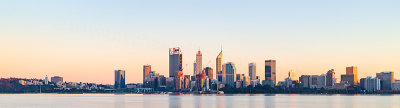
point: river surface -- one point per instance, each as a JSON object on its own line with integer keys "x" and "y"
{"x": 197, "y": 101}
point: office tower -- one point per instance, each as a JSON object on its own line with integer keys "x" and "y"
{"x": 292, "y": 75}
{"x": 46, "y": 80}
{"x": 370, "y": 84}
{"x": 146, "y": 71}
{"x": 56, "y": 79}
{"x": 305, "y": 81}
{"x": 198, "y": 63}
{"x": 218, "y": 67}
{"x": 178, "y": 80}
{"x": 209, "y": 72}
{"x": 352, "y": 71}
{"x": 194, "y": 68}
{"x": 175, "y": 61}
{"x": 230, "y": 71}
{"x": 321, "y": 81}
{"x": 252, "y": 71}
{"x": 386, "y": 80}
{"x": 347, "y": 78}
{"x": 270, "y": 70}
{"x": 119, "y": 79}
{"x": 330, "y": 78}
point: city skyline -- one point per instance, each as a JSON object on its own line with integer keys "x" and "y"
{"x": 86, "y": 42}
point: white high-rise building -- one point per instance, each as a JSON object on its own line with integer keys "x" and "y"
{"x": 46, "y": 80}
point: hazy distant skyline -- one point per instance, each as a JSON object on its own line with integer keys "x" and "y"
{"x": 85, "y": 41}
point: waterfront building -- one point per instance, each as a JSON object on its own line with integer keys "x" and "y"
{"x": 209, "y": 72}
{"x": 305, "y": 81}
{"x": 119, "y": 81}
{"x": 330, "y": 78}
{"x": 370, "y": 84}
{"x": 178, "y": 79}
{"x": 46, "y": 80}
{"x": 270, "y": 70}
{"x": 218, "y": 67}
{"x": 186, "y": 82}
{"x": 175, "y": 61}
{"x": 230, "y": 71}
{"x": 347, "y": 78}
{"x": 321, "y": 81}
{"x": 396, "y": 85}
{"x": 269, "y": 83}
{"x": 386, "y": 78}
{"x": 252, "y": 71}
{"x": 146, "y": 71}
{"x": 352, "y": 71}
{"x": 198, "y": 63}
{"x": 56, "y": 79}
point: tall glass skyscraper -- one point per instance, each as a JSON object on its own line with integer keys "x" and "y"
{"x": 175, "y": 61}
{"x": 119, "y": 79}
{"x": 270, "y": 70}
{"x": 230, "y": 71}
{"x": 218, "y": 67}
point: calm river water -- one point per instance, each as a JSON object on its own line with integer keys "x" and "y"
{"x": 197, "y": 101}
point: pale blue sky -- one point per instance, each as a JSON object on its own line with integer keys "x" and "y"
{"x": 84, "y": 40}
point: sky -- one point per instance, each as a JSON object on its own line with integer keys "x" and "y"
{"x": 86, "y": 40}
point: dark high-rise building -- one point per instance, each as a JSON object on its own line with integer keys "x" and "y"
{"x": 270, "y": 70}
{"x": 230, "y": 71}
{"x": 330, "y": 78}
{"x": 119, "y": 79}
{"x": 209, "y": 72}
{"x": 175, "y": 61}
{"x": 386, "y": 80}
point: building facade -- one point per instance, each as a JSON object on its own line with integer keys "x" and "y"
{"x": 386, "y": 80}
{"x": 252, "y": 71}
{"x": 146, "y": 71}
{"x": 270, "y": 70}
{"x": 119, "y": 82}
{"x": 175, "y": 61}
{"x": 352, "y": 71}
{"x": 198, "y": 63}
{"x": 330, "y": 78}
{"x": 230, "y": 71}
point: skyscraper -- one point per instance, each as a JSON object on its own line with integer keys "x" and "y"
{"x": 175, "y": 61}
{"x": 230, "y": 71}
{"x": 198, "y": 63}
{"x": 386, "y": 78}
{"x": 209, "y": 72}
{"x": 146, "y": 71}
{"x": 330, "y": 78}
{"x": 119, "y": 79}
{"x": 352, "y": 71}
{"x": 218, "y": 67}
{"x": 292, "y": 75}
{"x": 270, "y": 70}
{"x": 252, "y": 71}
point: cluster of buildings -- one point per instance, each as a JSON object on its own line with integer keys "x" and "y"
{"x": 226, "y": 76}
